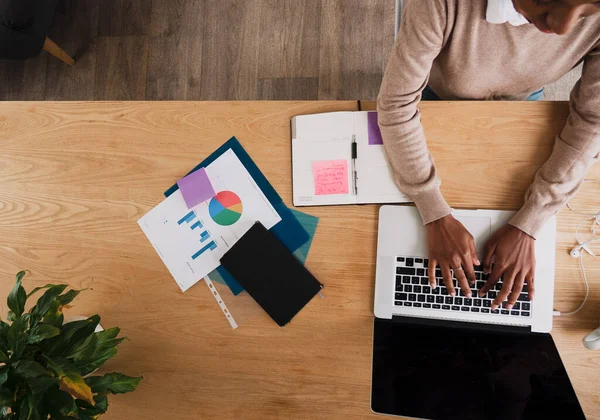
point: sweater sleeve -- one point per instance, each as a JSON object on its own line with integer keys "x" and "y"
{"x": 419, "y": 41}
{"x": 575, "y": 150}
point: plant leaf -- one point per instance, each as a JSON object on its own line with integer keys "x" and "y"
{"x": 93, "y": 411}
{"x": 3, "y": 357}
{"x": 54, "y": 315}
{"x": 85, "y": 350}
{"x": 21, "y": 274}
{"x": 108, "y": 334}
{"x": 114, "y": 383}
{"x": 73, "y": 383}
{"x": 41, "y": 332}
{"x": 96, "y": 350}
{"x": 3, "y": 328}
{"x": 16, "y": 336}
{"x": 17, "y": 296}
{"x": 81, "y": 334}
{"x": 11, "y": 316}
{"x": 88, "y": 368}
{"x": 72, "y": 335}
{"x": 45, "y": 302}
{"x": 70, "y": 380}
{"x": 27, "y": 409}
{"x": 68, "y": 297}
{"x": 24, "y": 409}
{"x": 61, "y": 404}
{"x": 3, "y": 338}
{"x": 37, "y": 289}
{"x": 3, "y": 374}
{"x": 30, "y": 369}
{"x": 41, "y": 384}
{"x": 6, "y": 397}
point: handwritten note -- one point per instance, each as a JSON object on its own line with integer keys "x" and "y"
{"x": 331, "y": 177}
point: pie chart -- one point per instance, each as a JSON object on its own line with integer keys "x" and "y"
{"x": 225, "y": 208}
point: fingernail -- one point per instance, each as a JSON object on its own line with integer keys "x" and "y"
{"x": 452, "y": 294}
{"x": 432, "y": 286}
{"x": 469, "y": 295}
{"x": 509, "y": 306}
{"x": 481, "y": 294}
{"x": 494, "y": 307}
{"x": 477, "y": 262}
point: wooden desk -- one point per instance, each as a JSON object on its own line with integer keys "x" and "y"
{"x": 75, "y": 178}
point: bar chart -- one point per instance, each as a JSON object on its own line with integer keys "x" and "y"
{"x": 187, "y": 218}
{"x": 210, "y": 246}
{"x": 191, "y": 219}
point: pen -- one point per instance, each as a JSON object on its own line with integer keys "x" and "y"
{"x": 354, "y": 176}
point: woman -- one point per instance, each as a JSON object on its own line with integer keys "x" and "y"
{"x": 448, "y": 49}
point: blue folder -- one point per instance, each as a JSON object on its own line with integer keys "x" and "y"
{"x": 289, "y": 230}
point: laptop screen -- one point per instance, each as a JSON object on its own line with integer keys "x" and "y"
{"x": 449, "y": 370}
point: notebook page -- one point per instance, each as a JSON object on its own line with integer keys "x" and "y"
{"x": 322, "y": 172}
{"x": 375, "y": 181}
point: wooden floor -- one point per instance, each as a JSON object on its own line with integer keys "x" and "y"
{"x": 216, "y": 50}
{"x": 210, "y": 50}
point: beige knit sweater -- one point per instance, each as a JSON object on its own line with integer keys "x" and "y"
{"x": 449, "y": 45}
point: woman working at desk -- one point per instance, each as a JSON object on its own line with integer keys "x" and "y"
{"x": 453, "y": 49}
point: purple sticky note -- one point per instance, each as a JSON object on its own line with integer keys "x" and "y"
{"x": 196, "y": 188}
{"x": 374, "y": 132}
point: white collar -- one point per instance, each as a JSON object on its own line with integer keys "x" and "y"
{"x": 502, "y": 11}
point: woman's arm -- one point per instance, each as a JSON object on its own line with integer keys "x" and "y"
{"x": 422, "y": 35}
{"x": 420, "y": 39}
{"x": 575, "y": 150}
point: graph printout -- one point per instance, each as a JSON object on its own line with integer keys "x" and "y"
{"x": 192, "y": 241}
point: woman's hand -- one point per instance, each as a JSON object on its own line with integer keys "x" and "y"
{"x": 515, "y": 262}
{"x": 451, "y": 246}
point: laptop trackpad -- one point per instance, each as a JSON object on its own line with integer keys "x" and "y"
{"x": 480, "y": 228}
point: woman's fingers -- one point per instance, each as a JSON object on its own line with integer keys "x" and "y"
{"x": 467, "y": 265}
{"x": 530, "y": 286}
{"x": 507, "y": 285}
{"x": 491, "y": 281}
{"x": 516, "y": 290}
{"x": 431, "y": 273}
{"x": 462, "y": 281}
{"x": 448, "y": 278}
{"x": 474, "y": 258}
{"x": 490, "y": 249}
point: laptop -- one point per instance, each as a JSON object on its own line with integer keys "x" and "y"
{"x": 441, "y": 357}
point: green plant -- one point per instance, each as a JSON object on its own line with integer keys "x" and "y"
{"x": 44, "y": 362}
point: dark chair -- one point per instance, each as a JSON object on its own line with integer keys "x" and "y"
{"x": 24, "y": 25}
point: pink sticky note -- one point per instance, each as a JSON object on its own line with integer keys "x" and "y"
{"x": 196, "y": 188}
{"x": 331, "y": 177}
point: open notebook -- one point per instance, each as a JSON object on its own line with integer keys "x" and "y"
{"x": 338, "y": 158}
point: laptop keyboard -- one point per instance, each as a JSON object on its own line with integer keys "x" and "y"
{"x": 413, "y": 290}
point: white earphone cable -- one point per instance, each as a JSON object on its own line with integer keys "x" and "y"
{"x": 583, "y": 247}
{"x": 587, "y": 290}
